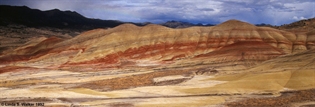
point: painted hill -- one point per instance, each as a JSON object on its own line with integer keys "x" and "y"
{"x": 20, "y": 24}
{"x": 157, "y": 44}
{"x": 234, "y": 63}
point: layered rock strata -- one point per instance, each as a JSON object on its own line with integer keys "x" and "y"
{"x": 154, "y": 44}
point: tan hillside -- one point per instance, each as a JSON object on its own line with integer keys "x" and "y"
{"x": 157, "y": 43}
{"x": 232, "y": 64}
{"x": 305, "y": 25}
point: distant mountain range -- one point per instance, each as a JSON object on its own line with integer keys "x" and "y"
{"x": 23, "y": 15}
{"x": 180, "y": 24}
{"x": 55, "y": 18}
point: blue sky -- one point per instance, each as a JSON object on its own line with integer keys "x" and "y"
{"x": 275, "y": 12}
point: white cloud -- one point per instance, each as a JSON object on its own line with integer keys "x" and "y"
{"x": 298, "y": 18}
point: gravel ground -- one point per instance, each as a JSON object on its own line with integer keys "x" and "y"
{"x": 287, "y": 99}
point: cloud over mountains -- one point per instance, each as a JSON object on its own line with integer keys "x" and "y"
{"x": 275, "y": 12}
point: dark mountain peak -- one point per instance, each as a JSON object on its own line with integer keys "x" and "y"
{"x": 180, "y": 22}
{"x": 171, "y": 21}
{"x": 7, "y": 6}
{"x": 54, "y": 10}
{"x": 55, "y": 18}
{"x": 176, "y": 24}
{"x": 12, "y": 9}
{"x": 59, "y": 13}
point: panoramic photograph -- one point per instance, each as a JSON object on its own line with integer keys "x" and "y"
{"x": 157, "y": 53}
